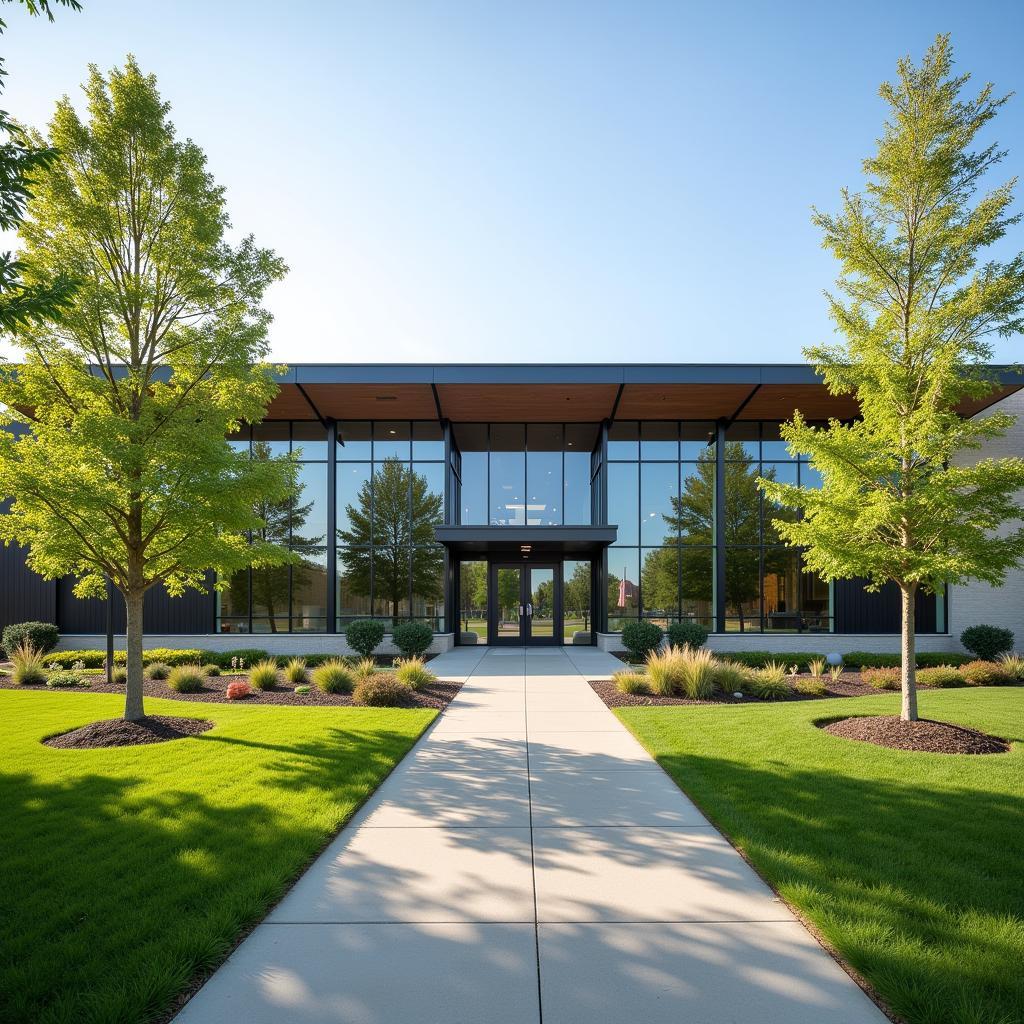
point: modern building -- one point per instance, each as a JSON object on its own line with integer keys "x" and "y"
{"x": 541, "y": 504}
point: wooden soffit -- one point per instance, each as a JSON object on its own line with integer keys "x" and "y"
{"x": 516, "y": 403}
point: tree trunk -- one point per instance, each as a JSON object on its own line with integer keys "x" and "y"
{"x": 133, "y": 709}
{"x": 908, "y": 674}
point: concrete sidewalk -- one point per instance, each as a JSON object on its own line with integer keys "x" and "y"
{"x": 529, "y": 862}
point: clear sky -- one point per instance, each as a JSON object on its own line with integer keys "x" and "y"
{"x": 530, "y": 181}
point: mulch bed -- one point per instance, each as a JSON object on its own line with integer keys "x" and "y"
{"x": 438, "y": 695}
{"x": 116, "y": 732}
{"x": 848, "y": 685}
{"x": 924, "y": 735}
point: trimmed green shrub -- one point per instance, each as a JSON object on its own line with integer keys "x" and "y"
{"x": 881, "y": 678}
{"x": 687, "y": 634}
{"x": 631, "y": 682}
{"x": 812, "y": 687}
{"x": 119, "y": 675}
{"x": 381, "y": 690}
{"x": 43, "y": 636}
{"x": 263, "y": 675}
{"x": 412, "y": 638}
{"x": 937, "y": 659}
{"x": 65, "y": 680}
{"x": 245, "y": 656}
{"x": 334, "y": 676}
{"x": 365, "y": 636}
{"x": 186, "y": 679}
{"x": 27, "y": 665}
{"x": 296, "y": 671}
{"x": 985, "y": 642}
{"x": 941, "y": 677}
{"x": 985, "y": 673}
{"x": 640, "y": 638}
{"x": 157, "y": 670}
{"x": 211, "y": 669}
{"x": 90, "y": 659}
{"x": 304, "y": 688}
{"x": 414, "y": 673}
{"x": 167, "y": 655}
{"x": 172, "y": 656}
{"x": 759, "y": 659}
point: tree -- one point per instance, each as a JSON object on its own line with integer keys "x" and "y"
{"x": 391, "y": 537}
{"x": 917, "y": 311}
{"x": 125, "y": 471}
{"x": 577, "y": 593}
{"x": 19, "y": 158}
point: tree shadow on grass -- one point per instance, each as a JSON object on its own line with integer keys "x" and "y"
{"x": 920, "y": 888}
{"x": 118, "y": 895}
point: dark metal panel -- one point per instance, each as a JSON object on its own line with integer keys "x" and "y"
{"x": 24, "y": 595}
{"x": 190, "y": 614}
{"x": 860, "y": 611}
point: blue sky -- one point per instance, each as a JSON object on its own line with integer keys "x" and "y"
{"x": 515, "y": 182}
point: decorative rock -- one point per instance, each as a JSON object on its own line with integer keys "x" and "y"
{"x": 834, "y": 658}
{"x": 738, "y": 695}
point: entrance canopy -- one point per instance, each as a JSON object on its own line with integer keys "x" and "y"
{"x": 526, "y": 541}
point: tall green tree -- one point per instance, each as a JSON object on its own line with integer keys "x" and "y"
{"x": 21, "y": 303}
{"x": 390, "y": 537}
{"x": 918, "y": 304}
{"x": 124, "y": 470}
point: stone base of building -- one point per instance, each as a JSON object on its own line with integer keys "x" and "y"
{"x": 275, "y": 643}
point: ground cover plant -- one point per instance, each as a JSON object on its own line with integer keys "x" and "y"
{"x": 139, "y": 867}
{"x": 909, "y": 864}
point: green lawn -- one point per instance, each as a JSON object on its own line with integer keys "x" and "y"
{"x": 910, "y": 865}
{"x": 126, "y": 871}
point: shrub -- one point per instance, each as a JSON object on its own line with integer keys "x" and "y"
{"x": 985, "y": 673}
{"x": 412, "y": 638}
{"x": 769, "y": 683}
{"x": 414, "y": 673}
{"x": 641, "y": 637}
{"x": 119, "y": 675}
{"x": 759, "y": 659}
{"x": 174, "y": 656}
{"x": 90, "y": 659}
{"x": 365, "y": 636}
{"x": 925, "y": 659}
{"x": 41, "y": 635}
{"x": 631, "y": 682}
{"x": 302, "y": 689}
{"x": 1014, "y": 665}
{"x": 730, "y": 677}
{"x": 813, "y": 687}
{"x": 334, "y": 676}
{"x": 665, "y": 671}
{"x": 263, "y": 675}
{"x": 186, "y": 679}
{"x": 687, "y": 634}
{"x": 986, "y": 642}
{"x": 296, "y": 671}
{"x": 881, "y": 678}
{"x": 941, "y": 677}
{"x": 28, "y": 665}
{"x": 238, "y": 689}
{"x": 816, "y": 666}
{"x": 242, "y": 656}
{"x": 60, "y": 680}
{"x": 381, "y": 690}
{"x": 211, "y": 669}
{"x": 157, "y": 670}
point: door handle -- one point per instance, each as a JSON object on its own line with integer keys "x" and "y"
{"x": 529, "y": 610}
{"x": 522, "y": 611}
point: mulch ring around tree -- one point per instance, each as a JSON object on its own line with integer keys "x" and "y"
{"x": 116, "y": 732}
{"x": 845, "y": 686}
{"x": 924, "y": 735}
{"x": 436, "y": 695}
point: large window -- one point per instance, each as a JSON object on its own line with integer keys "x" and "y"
{"x": 286, "y": 598}
{"x": 516, "y": 474}
{"x": 391, "y": 487}
{"x": 389, "y": 497}
{"x": 661, "y": 496}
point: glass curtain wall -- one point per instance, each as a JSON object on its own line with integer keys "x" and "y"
{"x": 288, "y": 598}
{"x": 661, "y": 495}
{"x": 524, "y": 474}
{"x": 390, "y": 496}
{"x": 767, "y": 588}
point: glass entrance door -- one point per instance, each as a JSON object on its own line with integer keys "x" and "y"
{"x": 525, "y": 605}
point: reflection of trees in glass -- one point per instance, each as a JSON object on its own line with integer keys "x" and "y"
{"x": 396, "y": 513}
{"x": 693, "y": 520}
{"x": 473, "y": 591}
{"x": 270, "y": 591}
{"x": 577, "y": 593}
{"x": 508, "y": 594}
{"x": 544, "y": 600}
